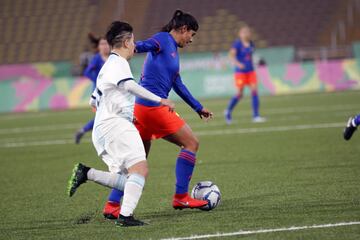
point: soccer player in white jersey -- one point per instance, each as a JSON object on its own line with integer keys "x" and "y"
{"x": 115, "y": 138}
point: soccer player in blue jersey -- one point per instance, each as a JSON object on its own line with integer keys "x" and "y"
{"x": 351, "y": 127}
{"x": 160, "y": 75}
{"x": 91, "y": 72}
{"x": 241, "y": 56}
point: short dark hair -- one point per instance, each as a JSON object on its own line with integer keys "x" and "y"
{"x": 118, "y": 32}
{"x": 179, "y": 20}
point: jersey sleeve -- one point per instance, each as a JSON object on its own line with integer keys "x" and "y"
{"x": 185, "y": 94}
{"x": 122, "y": 72}
{"x": 139, "y": 91}
{"x": 90, "y": 70}
{"x": 149, "y": 45}
{"x": 153, "y": 44}
{"x": 235, "y": 45}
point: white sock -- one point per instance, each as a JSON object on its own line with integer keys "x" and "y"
{"x": 107, "y": 179}
{"x": 353, "y": 122}
{"x": 132, "y": 193}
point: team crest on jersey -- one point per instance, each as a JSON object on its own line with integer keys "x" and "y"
{"x": 173, "y": 54}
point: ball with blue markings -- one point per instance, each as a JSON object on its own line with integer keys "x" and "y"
{"x": 207, "y": 190}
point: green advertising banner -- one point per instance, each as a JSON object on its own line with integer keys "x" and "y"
{"x": 210, "y": 75}
{"x": 32, "y": 87}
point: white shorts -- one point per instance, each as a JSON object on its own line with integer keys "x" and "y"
{"x": 120, "y": 148}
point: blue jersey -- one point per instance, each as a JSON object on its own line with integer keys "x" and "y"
{"x": 93, "y": 69}
{"x": 161, "y": 70}
{"x": 244, "y": 56}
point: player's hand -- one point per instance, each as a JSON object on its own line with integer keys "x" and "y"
{"x": 240, "y": 65}
{"x": 169, "y": 103}
{"x": 205, "y": 114}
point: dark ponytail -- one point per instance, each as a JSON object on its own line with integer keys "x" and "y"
{"x": 94, "y": 41}
{"x": 179, "y": 20}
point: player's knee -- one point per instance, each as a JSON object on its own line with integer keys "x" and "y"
{"x": 140, "y": 168}
{"x": 144, "y": 171}
{"x": 253, "y": 90}
{"x": 193, "y": 144}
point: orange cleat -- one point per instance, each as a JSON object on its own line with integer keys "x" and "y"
{"x": 111, "y": 210}
{"x": 181, "y": 201}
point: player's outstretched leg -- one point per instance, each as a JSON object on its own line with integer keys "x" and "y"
{"x": 228, "y": 112}
{"x": 79, "y": 134}
{"x": 351, "y": 127}
{"x": 82, "y": 173}
{"x": 112, "y": 206}
{"x": 132, "y": 186}
{"x": 78, "y": 177}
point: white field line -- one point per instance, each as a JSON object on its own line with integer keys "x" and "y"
{"x": 268, "y": 129}
{"x": 194, "y": 116}
{"x": 199, "y": 133}
{"x": 249, "y": 232}
{"x": 35, "y": 138}
{"x": 269, "y": 111}
{"x": 201, "y": 124}
{"x": 40, "y": 143}
{"x": 41, "y": 128}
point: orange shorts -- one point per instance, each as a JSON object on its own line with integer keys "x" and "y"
{"x": 245, "y": 79}
{"x": 156, "y": 122}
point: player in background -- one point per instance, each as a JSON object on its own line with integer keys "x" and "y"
{"x": 160, "y": 75}
{"x": 115, "y": 137}
{"x": 241, "y": 56}
{"x": 89, "y": 53}
{"x": 351, "y": 127}
{"x": 91, "y": 72}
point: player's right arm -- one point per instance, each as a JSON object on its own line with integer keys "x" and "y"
{"x": 152, "y": 44}
{"x": 137, "y": 90}
{"x": 233, "y": 59}
{"x": 149, "y": 45}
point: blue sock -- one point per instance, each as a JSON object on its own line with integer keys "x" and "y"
{"x": 89, "y": 126}
{"x": 115, "y": 195}
{"x": 357, "y": 120}
{"x": 255, "y": 103}
{"x": 184, "y": 168}
{"x": 233, "y": 101}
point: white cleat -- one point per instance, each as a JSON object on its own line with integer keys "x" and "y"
{"x": 259, "y": 119}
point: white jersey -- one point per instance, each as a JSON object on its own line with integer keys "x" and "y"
{"x": 113, "y": 102}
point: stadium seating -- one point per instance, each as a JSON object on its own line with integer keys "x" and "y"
{"x": 55, "y": 30}
{"x": 275, "y": 22}
{"x": 44, "y": 30}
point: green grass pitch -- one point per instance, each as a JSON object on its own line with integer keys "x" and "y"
{"x": 293, "y": 170}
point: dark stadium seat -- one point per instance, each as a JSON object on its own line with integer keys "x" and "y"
{"x": 31, "y": 28}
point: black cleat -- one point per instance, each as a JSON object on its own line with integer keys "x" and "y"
{"x": 109, "y": 216}
{"x": 349, "y": 129}
{"x": 78, "y": 136}
{"x": 78, "y": 177}
{"x": 129, "y": 221}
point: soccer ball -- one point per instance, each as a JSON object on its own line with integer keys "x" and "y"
{"x": 208, "y": 191}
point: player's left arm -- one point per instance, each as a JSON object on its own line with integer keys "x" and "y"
{"x": 185, "y": 94}
{"x": 90, "y": 69}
